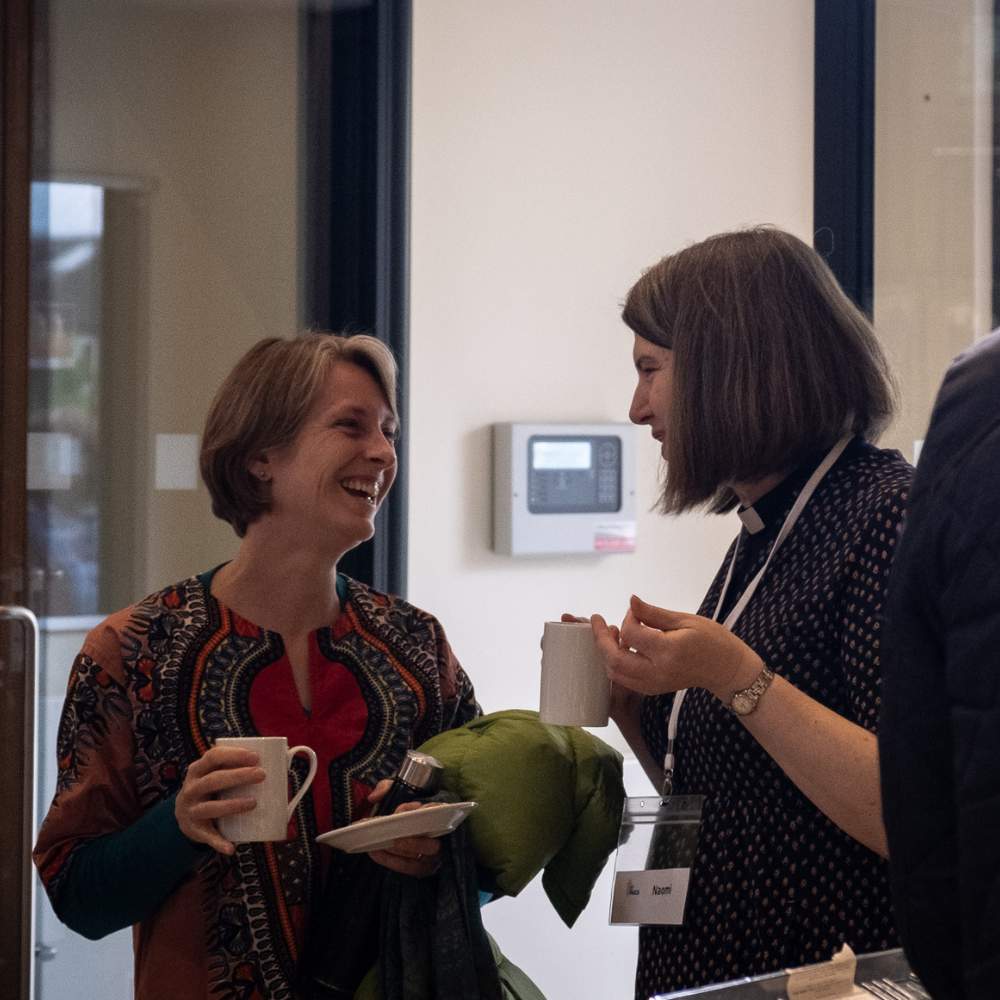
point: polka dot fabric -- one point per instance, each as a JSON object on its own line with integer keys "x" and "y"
{"x": 776, "y": 883}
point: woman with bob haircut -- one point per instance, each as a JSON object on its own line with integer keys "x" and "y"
{"x": 298, "y": 455}
{"x": 765, "y": 387}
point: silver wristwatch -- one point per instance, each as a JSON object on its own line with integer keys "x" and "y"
{"x": 745, "y": 701}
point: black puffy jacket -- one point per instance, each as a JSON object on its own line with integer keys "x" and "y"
{"x": 939, "y": 736}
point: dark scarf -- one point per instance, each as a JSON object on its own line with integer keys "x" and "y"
{"x": 433, "y": 943}
{"x": 427, "y": 933}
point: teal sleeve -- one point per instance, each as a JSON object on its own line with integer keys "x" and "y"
{"x": 117, "y": 880}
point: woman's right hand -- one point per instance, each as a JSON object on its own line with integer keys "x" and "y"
{"x": 197, "y": 806}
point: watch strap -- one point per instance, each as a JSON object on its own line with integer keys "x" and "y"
{"x": 745, "y": 701}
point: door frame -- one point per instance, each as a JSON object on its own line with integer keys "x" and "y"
{"x": 16, "y": 933}
{"x": 355, "y": 215}
{"x": 844, "y": 144}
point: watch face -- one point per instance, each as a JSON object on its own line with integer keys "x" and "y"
{"x": 743, "y": 703}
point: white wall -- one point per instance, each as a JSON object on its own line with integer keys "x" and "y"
{"x": 559, "y": 147}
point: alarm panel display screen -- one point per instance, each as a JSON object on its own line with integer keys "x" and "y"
{"x": 572, "y": 474}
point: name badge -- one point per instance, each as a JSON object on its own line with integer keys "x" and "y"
{"x": 657, "y": 844}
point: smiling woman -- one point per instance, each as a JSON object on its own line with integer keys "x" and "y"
{"x": 282, "y": 387}
{"x": 332, "y": 477}
{"x": 298, "y": 455}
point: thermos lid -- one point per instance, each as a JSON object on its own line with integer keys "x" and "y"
{"x": 421, "y": 770}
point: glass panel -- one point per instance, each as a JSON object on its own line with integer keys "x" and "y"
{"x": 934, "y": 164}
{"x": 64, "y": 431}
{"x": 165, "y": 240}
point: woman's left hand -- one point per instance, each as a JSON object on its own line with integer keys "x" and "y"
{"x": 416, "y": 856}
{"x": 663, "y": 651}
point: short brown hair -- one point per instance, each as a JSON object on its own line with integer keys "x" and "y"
{"x": 772, "y": 362}
{"x": 262, "y": 404}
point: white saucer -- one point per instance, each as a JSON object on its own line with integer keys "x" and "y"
{"x": 434, "y": 820}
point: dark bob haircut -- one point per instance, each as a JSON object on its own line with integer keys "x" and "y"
{"x": 772, "y": 362}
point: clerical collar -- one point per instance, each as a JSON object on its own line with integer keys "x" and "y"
{"x": 776, "y": 502}
{"x": 751, "y": 519}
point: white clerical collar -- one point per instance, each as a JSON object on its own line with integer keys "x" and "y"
{"x": 751, "y": 519}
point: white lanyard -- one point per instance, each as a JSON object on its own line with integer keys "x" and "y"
{"x": 832, "y": 455}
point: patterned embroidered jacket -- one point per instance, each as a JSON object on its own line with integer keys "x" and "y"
{"x": 156, "y": 684}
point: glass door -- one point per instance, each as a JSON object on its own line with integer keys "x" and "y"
{"x": 180, "y": 179}
{"x": 164, "y": 240}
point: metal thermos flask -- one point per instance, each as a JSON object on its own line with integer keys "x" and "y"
{"x": 419, "y": 777}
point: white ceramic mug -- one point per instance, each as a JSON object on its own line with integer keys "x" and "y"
{"x": 575, "y": 688}
{"x": 268, "y": 820}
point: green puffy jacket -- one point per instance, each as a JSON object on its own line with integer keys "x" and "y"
{"x": 550, "y": 797}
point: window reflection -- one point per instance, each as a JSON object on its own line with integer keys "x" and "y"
{"x": 64, "y": 432}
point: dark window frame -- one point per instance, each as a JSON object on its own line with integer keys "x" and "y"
{"x": 356, "y": 214}
{"x": 844, "y": 143}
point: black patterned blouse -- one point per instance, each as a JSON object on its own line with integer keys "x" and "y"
{"x": 775, "y": 883}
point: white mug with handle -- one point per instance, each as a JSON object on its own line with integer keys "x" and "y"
{"x": 268, "y": 820}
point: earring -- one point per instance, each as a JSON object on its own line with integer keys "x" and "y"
{"x": 263, "y": 477}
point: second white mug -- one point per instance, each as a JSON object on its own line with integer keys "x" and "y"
{"x": 268, "y": 820}
{"x": 575, "y": 687}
